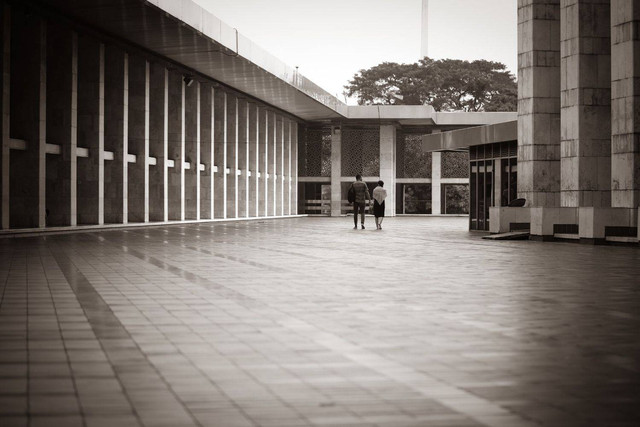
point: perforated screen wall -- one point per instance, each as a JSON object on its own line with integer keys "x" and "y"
{"x": 360, "y": 151}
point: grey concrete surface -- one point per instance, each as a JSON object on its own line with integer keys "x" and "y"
{"x": 306, "y": 322}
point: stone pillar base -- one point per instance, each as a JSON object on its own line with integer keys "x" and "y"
{"x": 600, "y": 224}
{"x": 587, "y": 225}
{"x": 505, "y": 219}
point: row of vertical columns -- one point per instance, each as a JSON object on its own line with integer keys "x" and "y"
{"x": 578, "y": 120}
{"x": 94, "y": 135}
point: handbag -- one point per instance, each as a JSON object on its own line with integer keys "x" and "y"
{"x": 351, "y": 195}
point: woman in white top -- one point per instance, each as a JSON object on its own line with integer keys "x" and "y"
{"x": 379, "y": 194}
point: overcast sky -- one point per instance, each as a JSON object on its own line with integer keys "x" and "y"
{"x": 331, "y": 40}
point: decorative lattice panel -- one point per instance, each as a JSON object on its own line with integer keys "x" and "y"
{"x": 455, "y": 164}
{"x": 411, "y": 160}
{"x": 360, "y": 152}
{"x": 315, "y": 152}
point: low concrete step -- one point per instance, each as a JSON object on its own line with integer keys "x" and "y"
{"x": 621, "y": 239}
{"x": 512, "y": 235}
{"x": 567, "y": 236}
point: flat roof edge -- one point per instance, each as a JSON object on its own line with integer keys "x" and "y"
{"x": 465, "y": 138}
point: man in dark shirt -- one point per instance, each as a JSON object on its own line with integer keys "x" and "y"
{"x": 361, "y": 195}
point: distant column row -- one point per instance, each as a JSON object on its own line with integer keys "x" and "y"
{"x": 92, "y": 134}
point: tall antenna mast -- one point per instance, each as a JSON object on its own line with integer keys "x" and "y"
{"x": 424, "y": 46}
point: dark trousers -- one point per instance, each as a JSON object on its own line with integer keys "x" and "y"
{"x": 358, "y": 207}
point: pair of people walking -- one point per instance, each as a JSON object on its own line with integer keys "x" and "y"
{"x": 359, "y": 195}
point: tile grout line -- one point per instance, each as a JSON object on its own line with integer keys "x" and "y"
{"x": 78, "y": 282}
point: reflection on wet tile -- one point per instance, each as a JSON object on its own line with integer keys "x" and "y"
{"x": 307, "y": 322}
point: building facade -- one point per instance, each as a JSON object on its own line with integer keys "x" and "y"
{"x": 135, "y": 112}
{"x": 578, "y": 150}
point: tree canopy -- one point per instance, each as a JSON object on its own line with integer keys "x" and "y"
{"x": 446, "y": 84}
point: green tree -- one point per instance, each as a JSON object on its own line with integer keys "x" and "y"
{"x": 446, "y": 84}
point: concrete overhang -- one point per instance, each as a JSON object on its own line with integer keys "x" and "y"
{"x": 465, "y": 138}
{"x": 425, "y": 115}
{"x": 188, "y": 35}
{"x": 185, "y": 33}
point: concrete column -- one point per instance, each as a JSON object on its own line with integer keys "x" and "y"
{"x": 6, "y": 114}
{"x": 254, "y": 149}
{"x": 388, "y": 165}
{"x": 267, "y": 192}
{"x": 220, "y": 154}
{"x": 260, "y": 161}
{"x": 138, "y": 138}
{"x": 198, "y": 152}
{"x": 42, "y": 127}
{"x": 26, "y": 170}
{"x": 232, "y": 156}
{"x": 497, "y": 183}
{"x": 539, "y": 102}
{"x": 625, "y": 103}
{"x": 175, "y": 124}
{"x": 191, "y": 134}
{"x": 241, "y": 157}
{"x": 294, "y": 168}
{"x": 287, "y": 167}
{"x": 183, "y": 200}
{"x": 585, "y": 103}
{"x": 61, "y": 114}
{"x": 206, "y": 153}
{"x": 116, "y": 132}
{"x": 283, "y": 173}
{"x": 211, "y": 142}
{"x": 274, "y": 166}
{"x": 90, "y": 131}
{"x": 157, "y": 142}
{"x": 436, "y": 181}
{"x": 247, "y": 160}
{"x": 336, "y": 171}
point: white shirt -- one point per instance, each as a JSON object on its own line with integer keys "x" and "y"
{"x": 379, "y": 194}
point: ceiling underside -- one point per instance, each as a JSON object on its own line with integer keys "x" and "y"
{"x": 155, "y": 30}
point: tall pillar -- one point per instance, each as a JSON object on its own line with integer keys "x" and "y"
{"x": 241, "y": 157}
{"x": 90, "y": 131}
{"x": 336, "y": 171}
{"x": 294, "y": 168}
{"x": 138, "y": 137}
{"x": 191, "y": 144}
{"x": 61, "y": 171}
{"x": 267, "y": 193}
{"x": 231, "y": 142}
{"x": 274, "y": 165}
{"x": 436, "y": 178}
{"x": 42, "y": 127}
{"x": 206, "y": 154}
{"x": 5, "y": 20}
{"x": 261, "y": 162}
{"x": 283, "y": 172}
{"x": 175, "y": 126}
{"x": 388, "y": 165}
{"x": 157, "y": 142}
{"x": 625, "y": 103}
{"x": 585, "y": 103}
{"x": 253, "y": 165}
{"x": 539, "y": 102}
{"x": 287, "y": 168}
{"x": 116, "y": 136}
{"x": 220, "y": 154}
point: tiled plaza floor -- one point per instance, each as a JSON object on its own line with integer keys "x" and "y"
{"x": 306, "y": 322}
